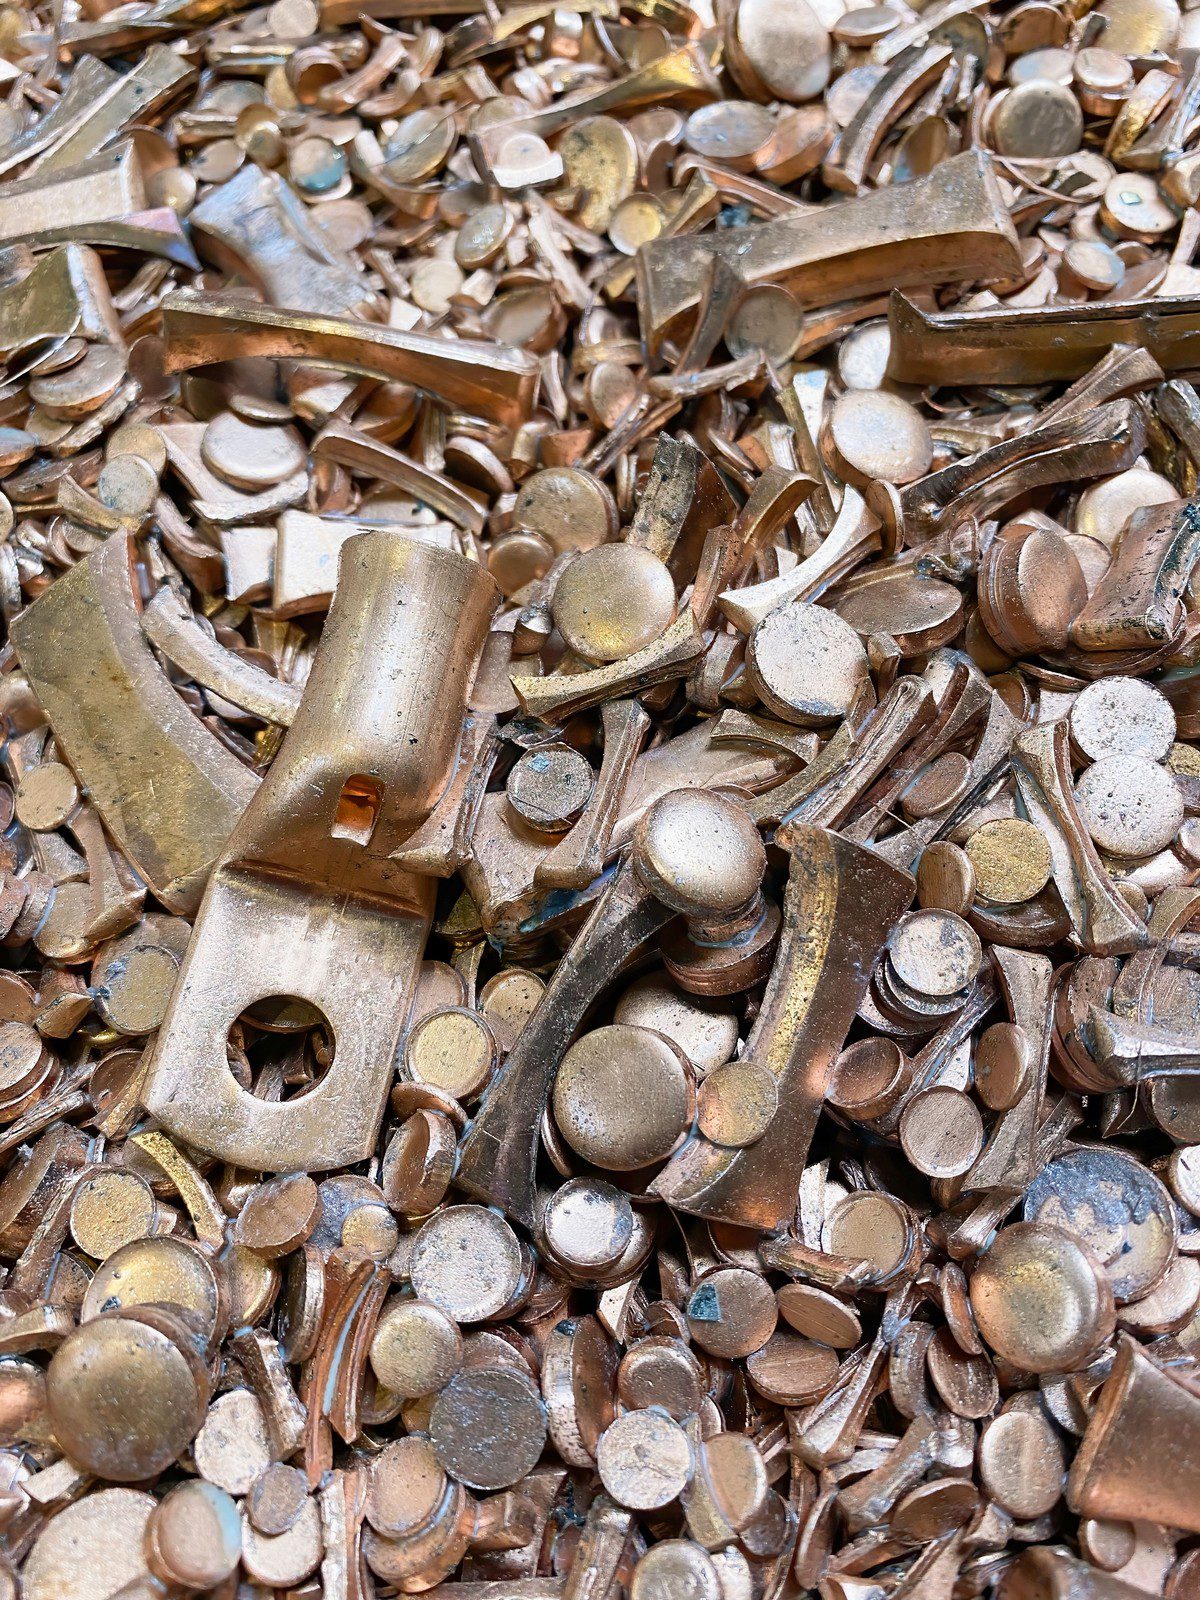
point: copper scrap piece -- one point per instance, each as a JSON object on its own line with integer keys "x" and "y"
{"x": 496, "y": 381}
{"x": 875, "y": 241}
{"x": 1036, "y": 343}
{"x": 801, "y": 1027}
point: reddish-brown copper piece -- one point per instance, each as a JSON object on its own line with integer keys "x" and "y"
{"x": 839, "y": 906}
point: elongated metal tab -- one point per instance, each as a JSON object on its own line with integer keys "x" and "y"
{"x": 498, "y": 1155}
{"x": 1037, "y": 344}
{"x": 953, "y": 222}
{"x": 841, "y": 903}
{"x": 1139, "y": 600}
{"x": 156, "y": 232}
{"x": 307, "y": 899}
{"x": 560, "y": 694}
{"x": 133, "y": 97}
{"x": 168, "y": 626}
{"x": 853, "y": 536}
{"x": 684, "y": 497}
{"x": 90, "y": 84}
{"x": 1104, "y": 439}
{"x": 1101, "y": 920}
{"x": 579, "y": 856}
{"x": 339, "y": 442}
{"x": 489, "y": 380}
{"x": 683, "y": 76}
{"x": 1009, "y": 1158}
{"x": 98, "y": 190}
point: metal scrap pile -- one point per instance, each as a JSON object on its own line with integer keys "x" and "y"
{"x": 600, "y": 879}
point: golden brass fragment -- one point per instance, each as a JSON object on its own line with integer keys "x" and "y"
{"x": 137, "y": 96}
{"x": 168, "y": 791}
{"x": 63, "y": 296}
{"x": 354, "y": 819}
{"x": 1103, "y": 439}
{"x": 499, "y": 1153}
{"x": 154, "y": 232}
{"x": 98, "y": 190}
{"x": 168, "y": 627}
{"x": 1139, "y": 601}
{"x": 91, "y": 81}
